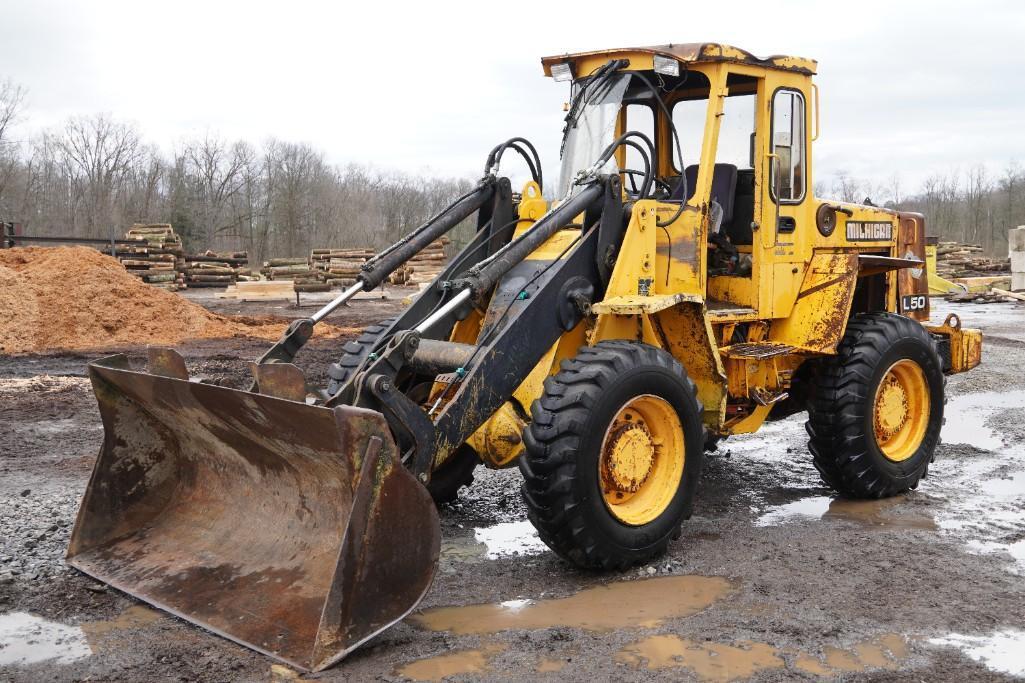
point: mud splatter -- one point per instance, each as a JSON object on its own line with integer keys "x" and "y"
{"x": 640, "y": 604}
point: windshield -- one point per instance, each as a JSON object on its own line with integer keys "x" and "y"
{"x": 591, "y": 126}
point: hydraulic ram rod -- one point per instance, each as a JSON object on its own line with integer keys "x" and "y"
{"x": 483, "y": 277}
{"x": 378, "y": 268}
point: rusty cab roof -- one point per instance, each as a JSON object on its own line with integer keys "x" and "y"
{"x": 692, "y": 53}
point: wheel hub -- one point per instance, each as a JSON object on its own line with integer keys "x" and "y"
{"x": 900, "y": 411}
{"x": 891, "y": 408}
{"x": 628, "y": 457}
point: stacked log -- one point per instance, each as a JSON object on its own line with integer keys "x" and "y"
{"x": 304, "y": 276}
{"x": 428, "y": 263}
{"x": 158, "y": 259}
{"x": 217, "y": 269}
{"x": 954, "y": 260}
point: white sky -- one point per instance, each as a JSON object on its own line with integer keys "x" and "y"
{"x": 908, "y": 88}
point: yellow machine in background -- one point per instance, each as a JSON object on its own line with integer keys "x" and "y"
{"x": 684, "y": 286}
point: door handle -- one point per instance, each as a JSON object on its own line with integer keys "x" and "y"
{"x": 787, "y": 224}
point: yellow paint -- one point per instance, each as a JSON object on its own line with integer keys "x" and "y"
{"x": 642, "y": 460}
{"x": 645, "y": 603}
{"x": 462, "y": 662}
{"x": 708, "y": 660}
{"x": 499, "y": 441}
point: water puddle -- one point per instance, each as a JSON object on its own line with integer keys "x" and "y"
{"x": 451, "y": 664}
{"x": 710, "y": 661}
{"x": 644, "y": 603}
{"x": 28, "y": 639}
{"x": 872, "y": 513}
{"x": 506, "y": 539}
{"x": 967, "y": 415}
{"x": 1001, "y": 652}
{"x": 510, "y": 538}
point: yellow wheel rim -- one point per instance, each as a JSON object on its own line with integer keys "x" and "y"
{"x": 641, "y": 460}
{"x": 900, "y": 413}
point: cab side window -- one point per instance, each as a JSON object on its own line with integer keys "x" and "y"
{"x": 788, "y": 168}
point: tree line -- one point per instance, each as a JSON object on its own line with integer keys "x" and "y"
{"x": 94, "y": 176}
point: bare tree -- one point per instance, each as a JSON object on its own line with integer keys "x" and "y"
{"x": 99, "y": 154}
{"x": 12, "y": 100}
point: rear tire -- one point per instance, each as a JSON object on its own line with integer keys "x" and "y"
{"x": 876, "y": 408}
{"x": 613, "y": 455}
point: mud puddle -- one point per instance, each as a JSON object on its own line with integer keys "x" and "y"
{"x": 463, "y": 662}
{"x": 644, "y": 603}
{"x": 711, "y": 661}
{"x": 1001, "y": 652}
{"x": 885, "y": 513}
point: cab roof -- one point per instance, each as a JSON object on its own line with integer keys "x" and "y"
{"x": 693, "y": 53}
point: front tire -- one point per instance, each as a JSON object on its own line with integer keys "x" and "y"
{"x": 613, "y": 455}
{"x": 876, "y": 408}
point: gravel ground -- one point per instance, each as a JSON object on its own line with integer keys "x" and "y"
{"x": 771, "y": 580}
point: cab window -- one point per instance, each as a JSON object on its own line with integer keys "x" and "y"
{"x": 788, "y": 165}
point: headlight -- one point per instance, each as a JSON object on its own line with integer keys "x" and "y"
{"x": 562, "y": 71}
{"x": 666, "y": 66}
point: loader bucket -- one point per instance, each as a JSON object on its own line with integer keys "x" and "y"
{"x": 290, "y": 528}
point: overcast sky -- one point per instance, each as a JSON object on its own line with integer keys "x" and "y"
{"x": 908, "y": 88}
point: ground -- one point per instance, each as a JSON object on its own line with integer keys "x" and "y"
{"x": 772, "y": 579}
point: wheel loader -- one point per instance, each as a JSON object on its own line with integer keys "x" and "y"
{"x": 680, "y": 285}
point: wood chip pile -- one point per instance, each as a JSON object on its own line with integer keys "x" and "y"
{"x": 158, "y": 259}
{"x": 954, "y": 260}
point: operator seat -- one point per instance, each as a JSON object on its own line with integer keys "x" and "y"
{"x": 724, "y": 187}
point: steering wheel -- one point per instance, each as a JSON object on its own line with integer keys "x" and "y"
{"x": 631, "y": 175}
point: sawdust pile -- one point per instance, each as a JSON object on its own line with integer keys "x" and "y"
{"x": 77, "y": 298}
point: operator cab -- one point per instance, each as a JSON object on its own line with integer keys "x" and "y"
{"x": 698, "y": 109}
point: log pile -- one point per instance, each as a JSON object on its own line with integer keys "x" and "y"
{"x": 954, "y": 260}
{"x": 217, "y": 269}
{"x": 158, "y": 259}
{"x": 426, "y": 265}
{"x": 303, "y": 275}
{"x": 339, "y": 267}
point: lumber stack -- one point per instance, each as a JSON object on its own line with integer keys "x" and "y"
{"x": 217, "y": 269}
{"x": 955, "y": 260}
{"x": 158, "y": 257}
{"x": 339, "y": 267}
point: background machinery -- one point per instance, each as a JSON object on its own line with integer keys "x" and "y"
{"x": 685, "y": 286}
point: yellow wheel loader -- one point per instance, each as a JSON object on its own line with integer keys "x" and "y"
{"x": 683, "y": 286}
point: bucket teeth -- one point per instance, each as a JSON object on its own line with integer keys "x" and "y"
{"x": 165, "y": 362}
{"x": 281, "y": 380}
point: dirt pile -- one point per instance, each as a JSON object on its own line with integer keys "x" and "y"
{"x": 77, "y": 298}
